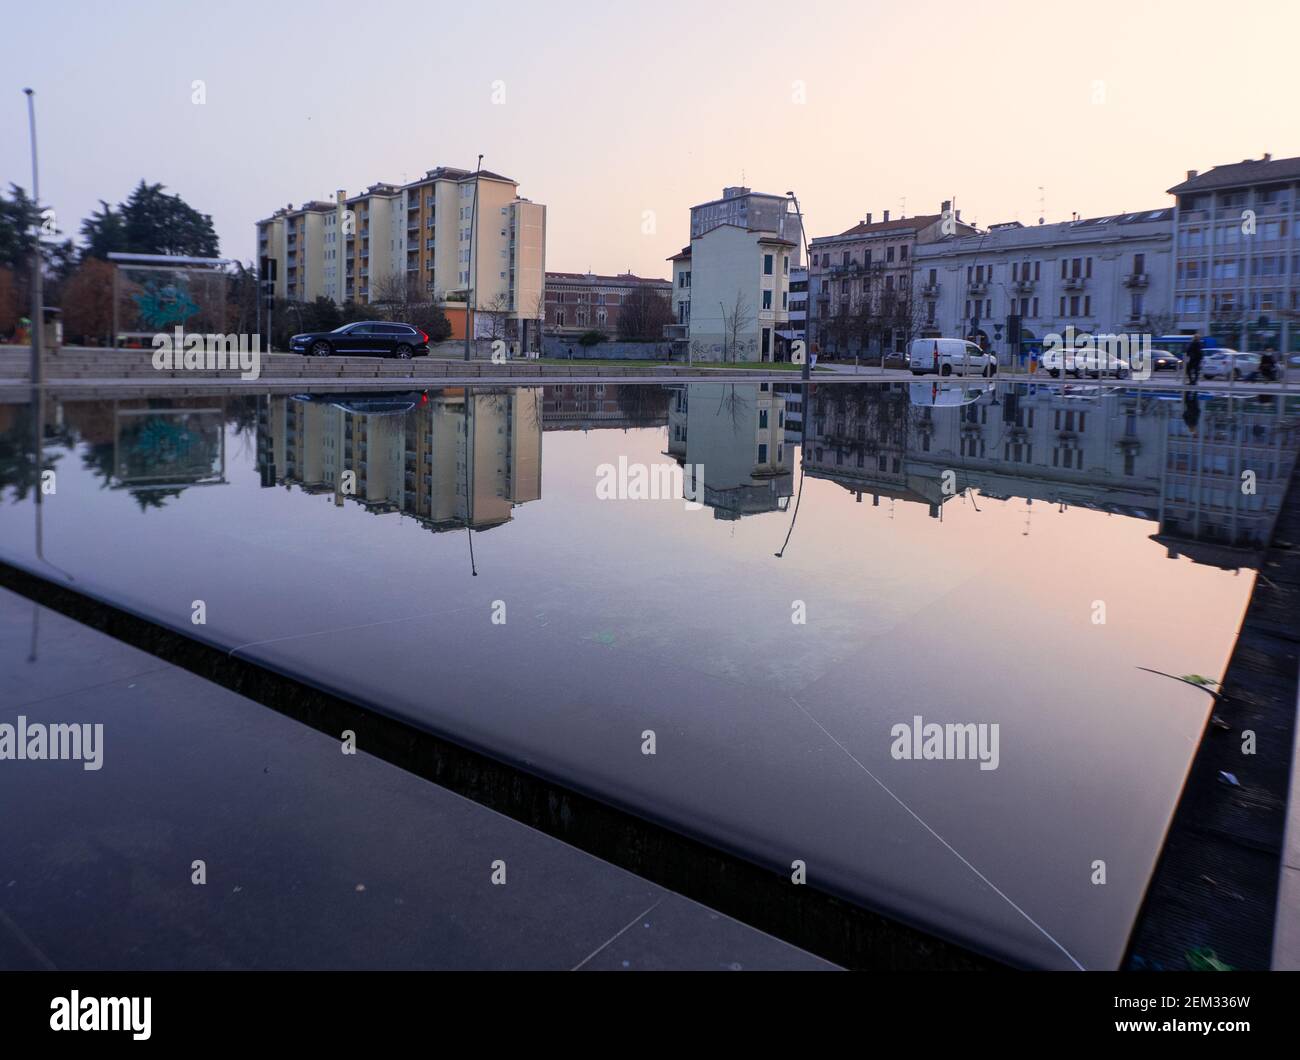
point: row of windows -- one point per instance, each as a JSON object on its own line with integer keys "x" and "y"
{"x": 1234, "y": 232}
{"x": 847, "y": 258}
{"x": 1232, "y": 268}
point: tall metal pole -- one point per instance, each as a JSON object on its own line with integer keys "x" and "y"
{"x": 469, "y": 287}
{"x": 38, "y": 295}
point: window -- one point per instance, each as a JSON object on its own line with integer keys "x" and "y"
{"x": 785, "y": 264}
{"x": 1139, "y": 264}
{"x": 762, "y": 419}
{"x": 889, "y": 254}
{"x": 902, "y": 253}
{"x": 767, "y": 299}
{"x": 762, "y": 452}
{"x": 767, "y": 264}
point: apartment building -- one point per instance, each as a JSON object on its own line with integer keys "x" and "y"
{"x": 463, "y": 239}
{"x": 303, "y": 265}
{"x": 731, "y": 286}
{"x": 363, "y": 243}
{"x": 859, "y": 283}
{"x": 1237, "y": 256}
{"x": 579, "y": 302}
{"x": 1107, "y": 274}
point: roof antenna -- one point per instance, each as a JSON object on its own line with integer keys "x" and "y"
{"x": 1042, "y": 203}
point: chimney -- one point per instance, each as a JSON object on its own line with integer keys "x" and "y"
{"x": 1268, "y": 157}
{"x": 1191, "y": 174}
{"x": 868, "y": 220}
{"x": 959, "y": 215}
{"x": 947, "y": 205}
{"x": 886, "y": 217}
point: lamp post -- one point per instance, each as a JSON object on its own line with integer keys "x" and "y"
{"x": 38, "y": 296}
{"x": 469, "y": 287}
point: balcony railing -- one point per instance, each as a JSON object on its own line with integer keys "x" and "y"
{"x": 977, "y": 289}
{"x": 1136, "y": 279}
{"x": 1073, "y": 283}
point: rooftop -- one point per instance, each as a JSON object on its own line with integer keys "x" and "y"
{"x": 1247, "y": 172}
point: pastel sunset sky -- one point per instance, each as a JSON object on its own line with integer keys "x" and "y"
{"x": 611, "y": 110}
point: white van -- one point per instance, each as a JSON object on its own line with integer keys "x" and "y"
{"x": 950, "y": 357}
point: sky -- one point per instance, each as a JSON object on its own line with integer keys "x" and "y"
{"x": 619, "y": 117}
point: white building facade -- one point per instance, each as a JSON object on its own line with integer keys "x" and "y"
{"x": 1101, "y": 275}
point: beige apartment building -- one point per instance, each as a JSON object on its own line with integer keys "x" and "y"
{"x": 455, "y": 237}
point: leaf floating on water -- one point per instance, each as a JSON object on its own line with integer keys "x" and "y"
{"x": 1206, "y": 960}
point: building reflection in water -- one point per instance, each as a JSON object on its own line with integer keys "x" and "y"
{"x": 737, "y": 433}
{"x": 449, "y": 458}
{"x": 1104, "y": 448}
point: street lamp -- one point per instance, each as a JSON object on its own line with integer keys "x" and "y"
{"x": 38, "y": 295}
{"x": 469, "y": 287}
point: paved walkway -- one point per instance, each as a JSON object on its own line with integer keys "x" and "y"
{"x": 314, "y": 859}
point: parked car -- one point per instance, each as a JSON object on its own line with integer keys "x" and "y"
{"x": 1222, "y": 363}
{"x": 371, "y": 338}
{"x": 950, "y": 357}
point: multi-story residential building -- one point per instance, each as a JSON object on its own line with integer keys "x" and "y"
{"x": 363, "y": 245}
{"x": 1237, "y": 262}
{"x": 414, "y": 240}
{"x": 731, "y": 286}
{"x": 860, "y": 283}
{"x": 270, "y": 244}
{"x": 303, "y": 267}
{"x": 578, "y": 302}
{"x": 1101, "y": 275}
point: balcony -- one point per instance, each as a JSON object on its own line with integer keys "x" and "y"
{"x": 977, "y": 289}
{"x": 930, "y": 290}
{"x": 1136, "y": 279}
{"x": 675, "y": 331}
{"x": 1073, "y": 283}
{"x": 1023, "y": 287}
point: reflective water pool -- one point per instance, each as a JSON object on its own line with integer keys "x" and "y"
{"x": 923, "y": 639}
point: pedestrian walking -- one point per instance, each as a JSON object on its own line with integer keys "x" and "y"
{"x": 1194, "y": 354}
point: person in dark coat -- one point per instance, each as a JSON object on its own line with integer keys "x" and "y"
{"x": 1194, "y": 354}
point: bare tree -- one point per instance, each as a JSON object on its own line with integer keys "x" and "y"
{"x": 736, "y": 318}
{"x": 643, "y": 314}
